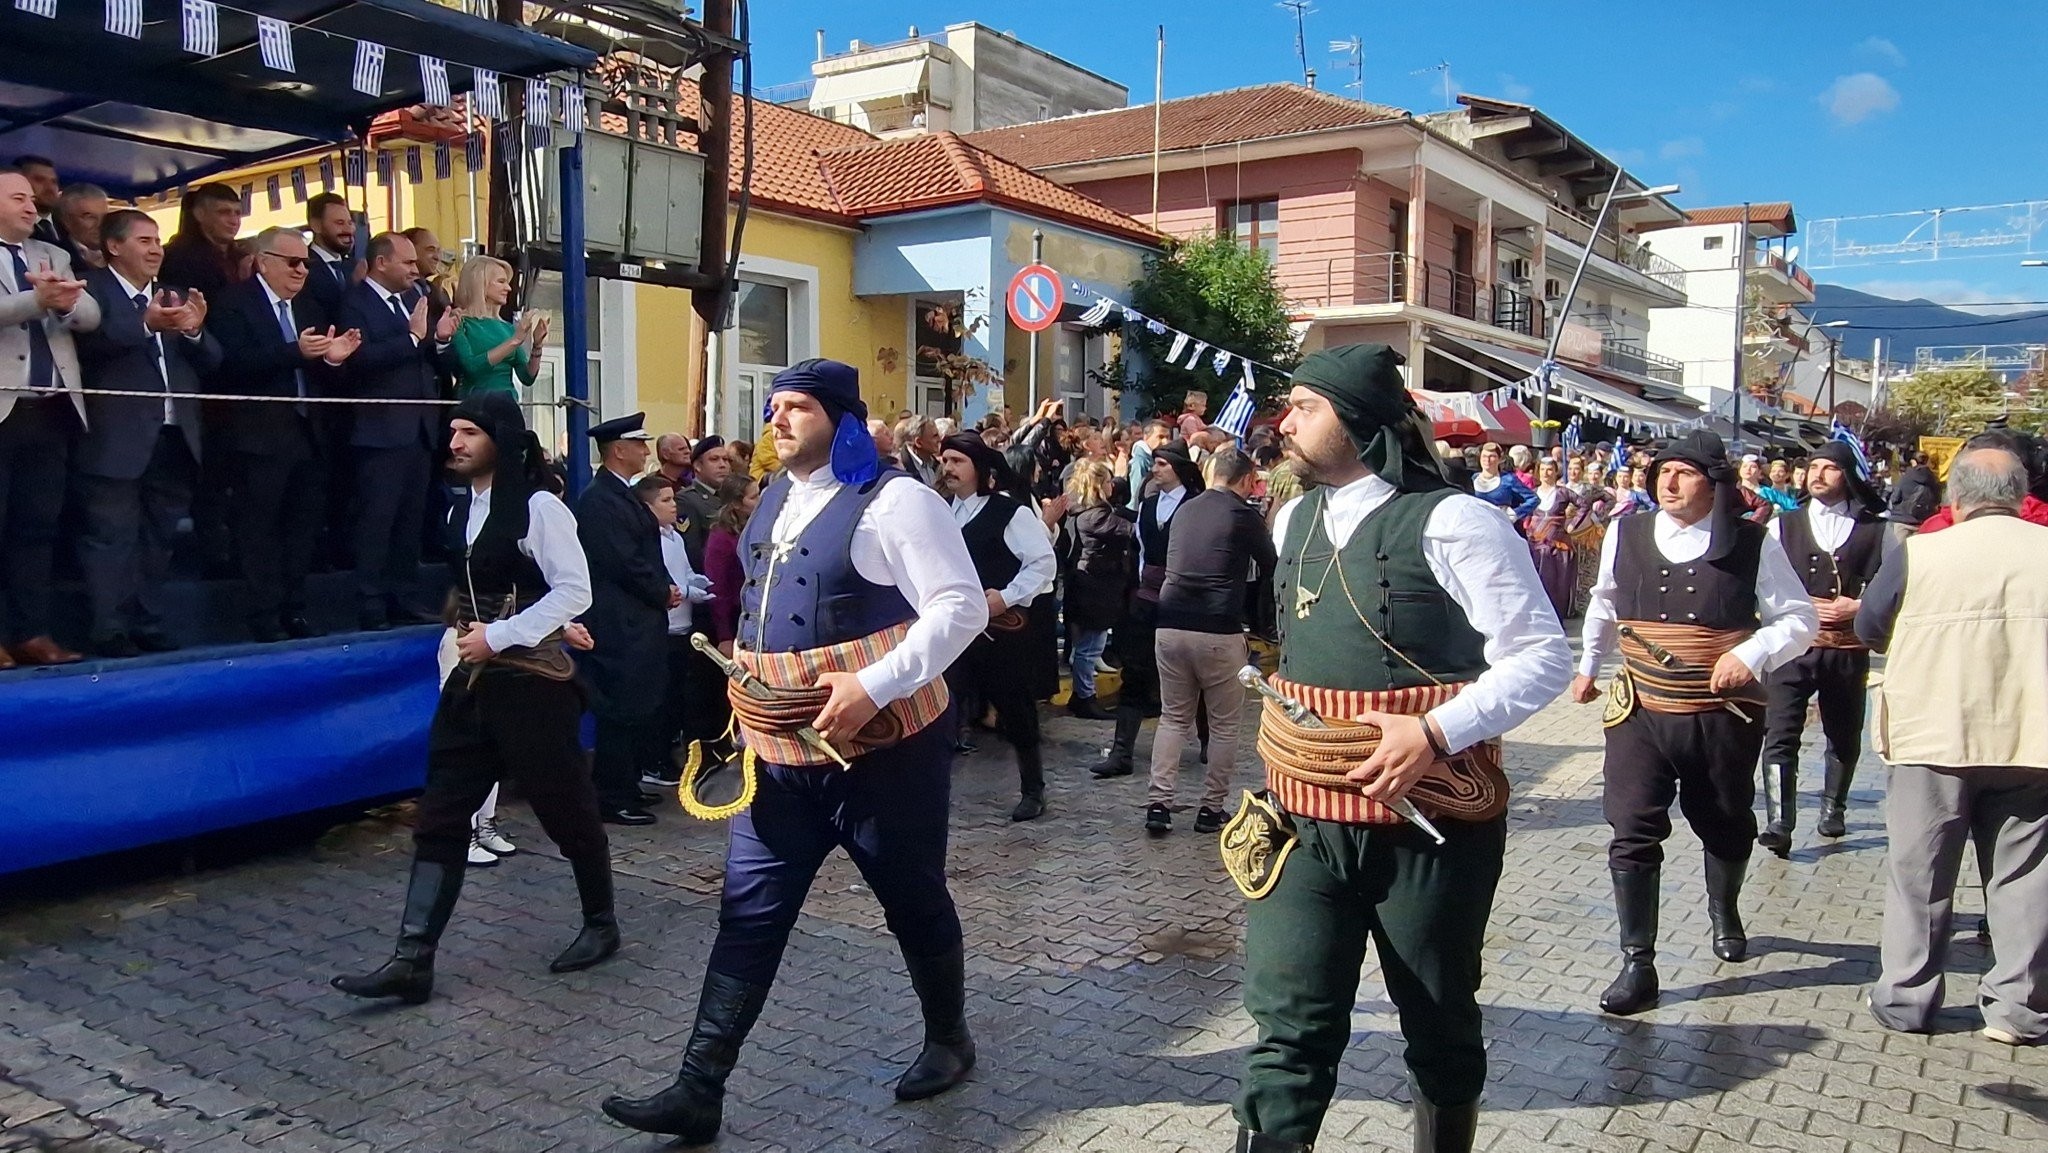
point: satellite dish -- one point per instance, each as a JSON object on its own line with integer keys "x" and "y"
{"x": 1792, "y": 254}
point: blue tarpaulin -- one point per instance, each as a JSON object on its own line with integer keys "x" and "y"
{"x": 117, "y": 755}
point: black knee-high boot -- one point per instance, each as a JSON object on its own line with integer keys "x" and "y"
{"x": 409, "y": 975}
{"x": 599, "y": 937}
{"x": 694, "y": 1106}
{"x": 1030, "y": 784}
{"x": 1636, "y": 893}
{"x": 1834, "y": 797}
{"x": 1724, "y": 890}
{"x": 948, "y": 1054}
{"x": 1123, "y": 748}
{"x": 1443, "y": 1128}
{"x": 1781, "y": 796}
{"x": 1250, "y": 1142}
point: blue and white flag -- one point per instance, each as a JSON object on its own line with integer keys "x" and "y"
{"x": 1097, "y": 312}
{"x": 201, "y": 20}
{"x": 444, "y": 160}
{"x": 274, "y": 40}
{"x": 299, "y": 185}
{"x": 575, "y": 109}
{"x": 473, "y": 151}
{"x": 1571, "y": 434}
{"x": 537, "y": 115}
{"x": 434, "y": 82}
{"x": 124, "y": 18}
{"x": 47, "y": 9}
{"x": 1220, "y": 363}
{"x": 1620, "y": 454}
{"x": 1195, "y": 357}
{"x": 1841, "y": 432}
{"x": 355, "y": 167}
{"x": 369, "y": 73}
{"x": 490, "y": 98}
{"x": 1236, "y": 417}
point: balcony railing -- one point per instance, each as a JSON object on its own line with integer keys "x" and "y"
{"x": 794, "y": 92}
{"x": 1628, "y": 356}
{"x": 1383, "y": 278}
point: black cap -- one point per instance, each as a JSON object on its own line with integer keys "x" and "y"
{"x": 621, "y": 428}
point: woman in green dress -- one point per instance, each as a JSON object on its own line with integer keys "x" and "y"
{"x": 495, "y": 354}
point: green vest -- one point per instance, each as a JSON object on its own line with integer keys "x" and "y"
{"x": 1388, "y": 583}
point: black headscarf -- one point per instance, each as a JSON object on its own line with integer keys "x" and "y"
{"x": 1394, "y": 438}
{"x": 520, "y": 460}
{"x": 1704, "y": 450}
{"x": 1863, "y": 499}
{"x": 991, "y": 472}
{"x": 1176, "y": 454}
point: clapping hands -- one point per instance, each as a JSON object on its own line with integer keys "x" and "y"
{"x": 55, "y": 292}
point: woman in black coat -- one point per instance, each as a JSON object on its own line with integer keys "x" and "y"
{"x": 1097, "y": 549}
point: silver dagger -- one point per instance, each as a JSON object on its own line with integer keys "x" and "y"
{"x": 1250, "y": 677}
{"x": 754, "y": 686}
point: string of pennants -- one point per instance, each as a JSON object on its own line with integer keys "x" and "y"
{"x": 200, "y": 36}
{"x": 1531, "y": 389}
{"x": 1186, "y": 351}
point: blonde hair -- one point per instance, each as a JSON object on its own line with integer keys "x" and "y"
{"x": 1089, "y": 484}
{"x": 469, "y": 287}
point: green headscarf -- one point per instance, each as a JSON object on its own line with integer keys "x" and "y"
{"x": 1394, "y": 438}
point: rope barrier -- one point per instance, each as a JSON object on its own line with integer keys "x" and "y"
{"x": 563, "y": 402}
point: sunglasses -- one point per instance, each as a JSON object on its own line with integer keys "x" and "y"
{"x": 295, "y": 263}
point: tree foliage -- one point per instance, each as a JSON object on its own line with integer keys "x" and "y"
{"x": 1949, "y": 401}
{"x": 1216, "y": 290}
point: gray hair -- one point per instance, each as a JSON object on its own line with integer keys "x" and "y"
{"x": 910, "y": 428}
{"x": 1225, "y": 467}
{"x": 76, "y": 194}
{"x": 946, "y": 425}
{"x": 266, "y": 240}
{"x": 1986, "y": 478}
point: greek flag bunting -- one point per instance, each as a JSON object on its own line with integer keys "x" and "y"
{"x": 490, "y": 98}
{"x": 434, "y": 82}
{"x": 1195, "y": 357}
{"x": 327, "y": 173}
{"x": 473, "y": 151}
{"x": 201, "y": 21}
{"x": 355, "y": 167}
{"x": 1839, "y": 431}
{"x": 413, "y": 173}
{"x": 1572, "y": 434}
{"x": 1236, "y": 416}
{"x": 1220, "y": 363}
{"x": 274, "y": 191}
{"x": 575, "y": 112}
{"x": 1180, "y": 345}
{"x": 444, "y": 160}
{"x": 384, "y": 168}
{"x": 274, "y": 40}
{"x": 369, "y": 74}
{"x": 537, "y": 115}
{"x": 124, "y": 18}
{"x": 1097, "y": 313}
{"x": 47, "y": 9}
{"x": 299, "y": 185}
{"x": 248, "y": 199}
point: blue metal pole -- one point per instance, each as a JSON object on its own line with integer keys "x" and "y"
{"x": 575, "y": 337}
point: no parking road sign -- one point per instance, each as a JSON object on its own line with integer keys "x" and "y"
{"x": 1036, "y": 298}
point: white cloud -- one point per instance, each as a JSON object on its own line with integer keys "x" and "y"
{"x": 1958, "y": 294}
{"x": 1515, "y": 90}
{"x": 1884, "y": 50}
{"x": 1857, "y": 97}
{"x": 1682, "y": 148}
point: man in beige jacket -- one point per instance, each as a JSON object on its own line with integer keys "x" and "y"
{"x": 1962, "y": 719}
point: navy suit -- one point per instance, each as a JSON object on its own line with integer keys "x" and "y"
{"x": 135, "y": 472}
{"x": 276, "y": 453}
{"x": 628, "y": 618}
{"x": 392, "y": 445}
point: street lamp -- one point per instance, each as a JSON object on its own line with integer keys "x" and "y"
{"x": 1547, "y": 370}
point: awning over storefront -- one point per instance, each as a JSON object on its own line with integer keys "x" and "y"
{"x": 1570, "y": 385}
{"x": 904, "y": 78}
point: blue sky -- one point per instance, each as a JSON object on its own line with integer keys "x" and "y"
{"x": 1845, "y": 109}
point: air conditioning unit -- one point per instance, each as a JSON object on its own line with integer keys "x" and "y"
{"x": 1553, "y": 289}
{"x": 1519, "y": 269}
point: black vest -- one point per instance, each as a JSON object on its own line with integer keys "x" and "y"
{"x": 492, "y": 568}
{"x": 1841, "y": 573}
{"x": 994, "y": 564}
{"x": 1711, "y": 594}
{"x": 1157, "y": 537}
{"x": 1389, "y": 584}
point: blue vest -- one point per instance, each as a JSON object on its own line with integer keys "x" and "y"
{"x": 814, "y": 595}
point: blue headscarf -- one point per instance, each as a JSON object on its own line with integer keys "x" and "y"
{"x": 836, "y": 387}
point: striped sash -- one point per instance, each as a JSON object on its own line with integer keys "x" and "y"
{"x": 799, "y": 670}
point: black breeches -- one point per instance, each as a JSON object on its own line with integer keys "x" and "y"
{"x": 1706, "y": 761}
{"x": 510, "y": 727}
{"x": 1838, "y": 678}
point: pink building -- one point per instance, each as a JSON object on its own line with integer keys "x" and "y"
{"x": 1448, "y": 236}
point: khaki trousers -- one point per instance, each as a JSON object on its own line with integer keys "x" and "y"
{"x": 1197, "y": 667}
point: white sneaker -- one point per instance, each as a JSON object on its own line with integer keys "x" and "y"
{"x": 480, "y": 857}
{"x": 2003, "y": 1036}
{"x": 1103, "y": 666}
{"x": 491, "y": 840}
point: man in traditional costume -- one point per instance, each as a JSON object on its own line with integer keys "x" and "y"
{"x": 511, "y": 709}
{"x": 1413, "y": 624}
{"x": 1835, "y": 544}
{"x": 1704, "y": 604}
{"x": 859, "y": 594}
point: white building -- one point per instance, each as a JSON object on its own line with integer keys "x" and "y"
{"x": 964, "y": 79}
{"x": 1700, "y": 335}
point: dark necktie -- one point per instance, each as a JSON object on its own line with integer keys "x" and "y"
{"x": 291, "y": 336}
{"x": 156, "y": 339}
{"x": 42, "y": 366}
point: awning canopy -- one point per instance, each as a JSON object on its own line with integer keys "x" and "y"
{"x": 141, "y": 116}
{"x": 1573, "y": 386}
{"x": 904, "y": 78}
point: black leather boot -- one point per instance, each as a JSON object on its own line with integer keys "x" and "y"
{"x": 1443, "y": 1128}
{"x": 599, "y": 938}
{"x": 1250, "y": 1142}
{"x": 941, "y": 984}
{"x": 1781, "y": 796}
{"x": 1834, "y": 798}
{"x": 694, "y": 1105}
{"x": 1724, "y": 890}
{"x": 1030, "y": 784}
{"x": 1636, "y": 894}
{"x": 409, "y": 975}
{"x": 1129, "y": 718}
{"x": 1087, "y": 708}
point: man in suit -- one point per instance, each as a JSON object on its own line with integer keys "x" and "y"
{"x": 917, "y": 442}
{"x": 139, "y": 458}
{"x": 404, "y": 345}
{"x": 333, "y": 270}
{"x": 41, "y": 414}
{"x": 628, "y": 619}
{"x": 47, "y": 188}
{"x": 276, "y": 341}
{"x": 79, "y": 212}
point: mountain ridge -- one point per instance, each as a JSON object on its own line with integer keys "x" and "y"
{"x": 1908, "y": 325}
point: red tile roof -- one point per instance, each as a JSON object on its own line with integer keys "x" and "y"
{"x": 1776, "y": 214}
{"x": 931, "y": 171}
{"x": 1230, "y": 117}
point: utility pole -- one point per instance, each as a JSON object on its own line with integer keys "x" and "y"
{"x": 1741, "y": 320}
{"x": 714, "y": 140}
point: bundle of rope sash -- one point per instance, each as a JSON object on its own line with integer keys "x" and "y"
{"x": 1468, "y": 787}
{"x": 787, "y": 710}
{"x": 1673, "y": 665}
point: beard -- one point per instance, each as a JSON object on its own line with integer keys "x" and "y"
{"x": 1310, "y": 463}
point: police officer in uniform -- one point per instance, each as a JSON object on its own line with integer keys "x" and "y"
{"x": 1835, "y": 544}
{"x": 1703, "y": 604}
{"x": 1412, "y": 622}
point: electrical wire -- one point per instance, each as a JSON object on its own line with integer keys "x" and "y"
{"x": 729, "y": 291}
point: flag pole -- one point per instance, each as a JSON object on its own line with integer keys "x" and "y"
{"x": 1158, "y": 99}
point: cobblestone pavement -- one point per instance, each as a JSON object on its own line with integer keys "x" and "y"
{"x": 193, "y": 1013}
